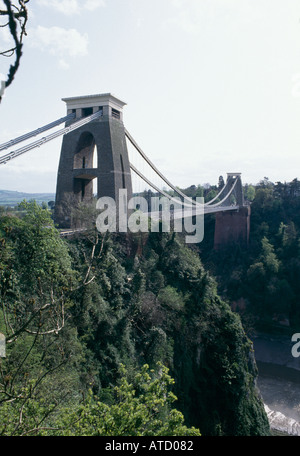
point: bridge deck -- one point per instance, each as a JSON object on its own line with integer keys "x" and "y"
{"x": 192, "y": 212}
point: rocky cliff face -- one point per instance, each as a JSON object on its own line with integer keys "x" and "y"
{"x": 201, "y": 340}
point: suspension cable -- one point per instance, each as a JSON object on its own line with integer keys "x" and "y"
{"x": 36, "y": 132}
{"x": 217, "y": 196}
{"x": 206, "y": 208}
{"x": 157, "y": 188}
{"x": 225, "y": 197}
{"x": 156, "y": 170}
{"x": 5, "y": 158}
{"x": 195, "y": 203}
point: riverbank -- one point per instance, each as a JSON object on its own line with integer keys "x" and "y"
{"x": 276, "y": 350}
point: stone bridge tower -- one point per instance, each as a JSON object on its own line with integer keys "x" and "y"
{"x": 233, "y": 227}
{"x": 95, "y": 153}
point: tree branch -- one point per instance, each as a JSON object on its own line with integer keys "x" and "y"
{"x": 18, "y": 45}
{"x": 14, "y": 17}
{"x": 23, "y": 327}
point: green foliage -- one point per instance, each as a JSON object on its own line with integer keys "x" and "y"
{"x": 35, "y": 297}
{"x": 74, "y": 311}
{"x": 268, "y": 257}
{"x": 211, "y": 195}
{"x": 250, "y": 193}
{"x": 140, "y": 408}
{"x": 216, "y": 378}
{"x": 262, "y": 282}
{"x": 37, "y": 272}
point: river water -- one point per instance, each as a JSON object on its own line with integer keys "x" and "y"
{"x": 279, "y": 382}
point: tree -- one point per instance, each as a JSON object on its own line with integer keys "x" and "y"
{"x": 265, "y": 183}
{"x": 268, "y": 257}
{"x": 221, "y": 183}
{"x": 43, "y": 271}
{"x": 36, "y": 280}
{"x": 250, "y": 193}
{"x": 294, "y": 188}
{"x": 141, "y": 407}
{"x": 211, "y": 194}
{"x": 16, "y": 16}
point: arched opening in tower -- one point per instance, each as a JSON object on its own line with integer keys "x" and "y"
{"x": 85, "y": 159}
{"x": 85, "y": 156}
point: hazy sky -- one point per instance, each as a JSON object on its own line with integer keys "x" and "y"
{"x": 211, "y": 86}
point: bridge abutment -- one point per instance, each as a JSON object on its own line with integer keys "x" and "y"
{"x": 232, "y": 227}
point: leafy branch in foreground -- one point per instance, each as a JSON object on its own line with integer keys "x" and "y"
{"x": 36, "y": 276}
{"x": 142, "y": 407}
{"x": 36, "y": 280}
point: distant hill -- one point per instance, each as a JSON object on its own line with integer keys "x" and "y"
{"x": 12, "y": 198}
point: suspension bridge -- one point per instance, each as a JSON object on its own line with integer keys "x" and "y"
{"x": 94, "y": 129}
